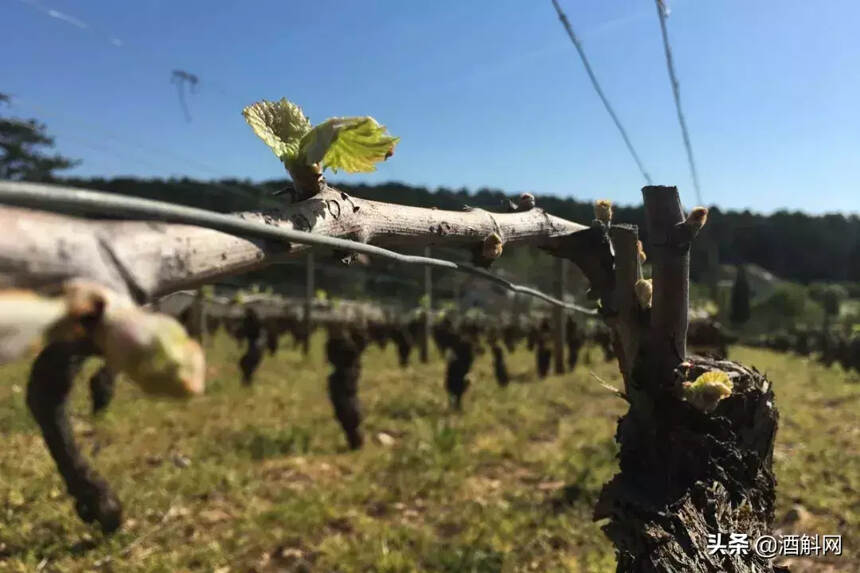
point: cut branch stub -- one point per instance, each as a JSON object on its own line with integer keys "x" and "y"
{"x": 630, "y": 319}
{"x": 670, "y": 263}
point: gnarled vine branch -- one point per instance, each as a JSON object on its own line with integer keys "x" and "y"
{"x": 147, "y": 259}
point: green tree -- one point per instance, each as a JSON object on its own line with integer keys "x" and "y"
{"x": 22, "y": 150}
{"x": 830, "y": 296}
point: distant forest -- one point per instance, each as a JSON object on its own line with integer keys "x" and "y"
{"x": 792, "y": 245}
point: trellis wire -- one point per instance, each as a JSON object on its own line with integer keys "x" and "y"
{"x": 69, "y": 199}
{"x": 662, "y": 12}
{"x": 578, "y": 45}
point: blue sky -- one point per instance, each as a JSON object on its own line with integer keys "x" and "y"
{"x": 483, "y": 93}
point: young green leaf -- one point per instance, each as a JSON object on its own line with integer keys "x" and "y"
{"x": 706, "y": 391}
{"x": 280, "y": 124}
{"x": 354, "y": 144}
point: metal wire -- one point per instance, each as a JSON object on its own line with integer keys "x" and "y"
{"x": 676, "y": 92}
{"x": 573, "y": 38}
{"x": 81, "y": 201}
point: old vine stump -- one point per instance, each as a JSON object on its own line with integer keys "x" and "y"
{"x": 686, "y": 473}
{"x": 696, "y": 461}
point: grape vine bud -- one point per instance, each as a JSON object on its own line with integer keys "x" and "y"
{"x": 697, "y": 219}
{"x": 492, "y": 247}
{"x": 641, "y": 250}
{"x": 644, "y": 289}
{"x": 153, "y": 350}
{"x": 526, "y": 202}
{"x": 603, "y": 211}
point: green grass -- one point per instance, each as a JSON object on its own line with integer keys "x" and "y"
{"x": 507, "y": 485}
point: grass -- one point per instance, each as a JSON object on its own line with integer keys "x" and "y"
{"x": 259, "y": 479}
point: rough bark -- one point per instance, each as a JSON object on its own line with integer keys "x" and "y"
{"x": 47, "y": 394}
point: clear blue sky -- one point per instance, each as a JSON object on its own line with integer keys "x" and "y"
{"x": 483, "y": 93}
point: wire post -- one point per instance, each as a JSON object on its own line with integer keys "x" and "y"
{"x": 560, "y": 317}
{"x": 309, "y": 302}
{"x": 428, "y": 308}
